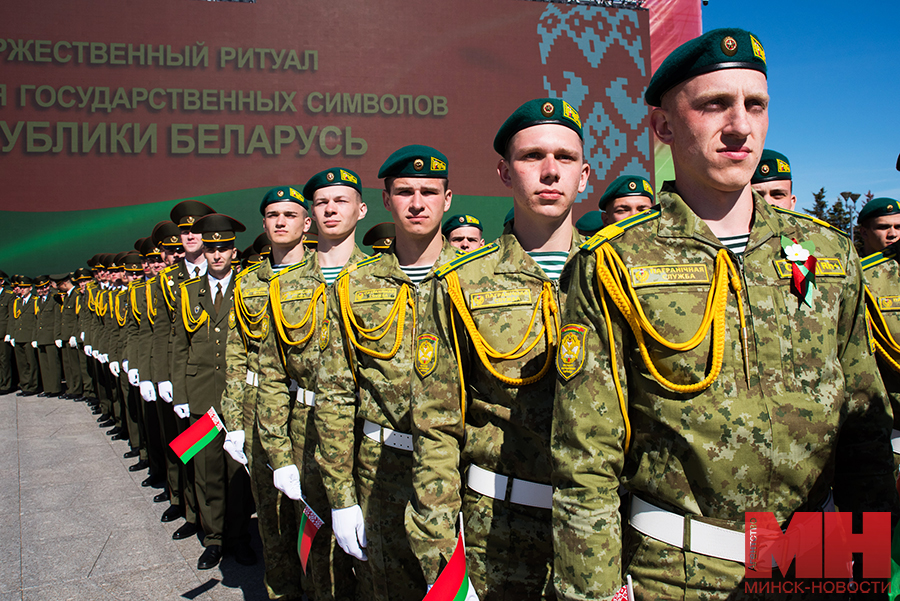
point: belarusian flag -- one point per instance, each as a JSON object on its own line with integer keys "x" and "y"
{"x": 626, "y": 593}
{"x": 453, "y": 584}
{"x": 191, "y": 441}
{"x": 309, "y": 526}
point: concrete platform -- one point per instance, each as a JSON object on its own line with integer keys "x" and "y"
{"x": 76, "y": 525}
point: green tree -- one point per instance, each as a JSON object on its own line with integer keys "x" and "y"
{"x": 839, "y": 215}
{"x": 820, "y": 207}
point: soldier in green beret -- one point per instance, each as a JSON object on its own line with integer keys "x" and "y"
{"x": 464, "y": 232}
{"x": 484, "y": 382}
{"x": 772, "y": 180}
{"x": 626, "y": 196}
{"x": 590, "y": 223}
{"x": 879, "y": 224}
{"x": 701, "y": 424}
{"x": 365, "y": 376}
{"x": 285, "y": 221}
{"x": 289, "y": 364}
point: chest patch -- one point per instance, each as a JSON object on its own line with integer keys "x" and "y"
{"x": 825, "y": 267}
{"x": 656, "y": 275}
{"x": 500, "y": 298}
{"x": 889, "y": 303}
{"x": 570, "y": 354}
{"x": 375, "y": 294}
{"x": 426, "y": 355}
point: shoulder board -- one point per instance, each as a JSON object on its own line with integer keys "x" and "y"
{"x": 190, "y": 281}
{"x": 351, "y": 268}
{"x": 811, "y": 218}
{"x": 244, "y": 272}
{"x": 140, "y": 285}
{"x": 469, "y": 256}
{"x": 874, "y": 259}
{"x": 170, "y": 268}
{"x": 292, "y": 268}
{"x": 614, "y": 230}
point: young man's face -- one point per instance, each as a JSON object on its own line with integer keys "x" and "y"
{"x": 545, "y": 169}
{"x": 191, "y": 242}
{"x": 218, "y": 259}
{"x": 777, "y": 192}
{"x": 172, "y": 255}
{"x": 624, "y": 207}
{"x": 285, "y": 223}
{"x": 466, "y": 238}
{"x": 879, "y": 232}
{"x": 336, "y": 210}
{"x": 418, "y": 204}
{"x": 716, "y": 126}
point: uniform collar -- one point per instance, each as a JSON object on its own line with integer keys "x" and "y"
{"x": 515, "y": 259}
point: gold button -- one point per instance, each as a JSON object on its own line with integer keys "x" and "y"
{"x": 218, "y": 330}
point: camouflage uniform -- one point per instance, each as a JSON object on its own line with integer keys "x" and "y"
{"x": 355, "y": 389}
{"x": 770, "y": 445}
{"x": 274, "y": 511}
{"x": 882, "y": 275}
{"x": 507, "y": 424}
{"x": 285, "y": 409}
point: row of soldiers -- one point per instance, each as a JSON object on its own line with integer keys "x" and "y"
{"x": 585, "y": 410}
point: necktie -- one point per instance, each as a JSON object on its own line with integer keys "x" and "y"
{"x": 196, "y": 271}
{"x": 217, "y": 299}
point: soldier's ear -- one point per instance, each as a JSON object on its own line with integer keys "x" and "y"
{"x": 503, "y": 172}
{"x": 659, "y": 122}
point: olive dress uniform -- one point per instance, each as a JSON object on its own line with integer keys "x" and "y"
{"x": 24, "y": 312}
{"x": 68, "y": 328}
{"x": 221, "y": 485}
{"x": 767, "y": 421}
{"x": 363, "y": 413}
{"x": 45, "y": 336}
{"x": 289, "y": 362}
{"x": 7, "y": 296}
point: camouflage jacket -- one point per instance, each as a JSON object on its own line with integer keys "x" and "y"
{"x": 353, "y": 386}
{"x": 507, "y": 424}
{"x": 287, "y": 369}
{"x": 882, "y": 275}
{"x": 770, "y": 444}
{"x": 248, "y": 326}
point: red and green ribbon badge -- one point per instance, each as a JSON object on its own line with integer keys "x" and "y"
{"x": 803, "y": 267}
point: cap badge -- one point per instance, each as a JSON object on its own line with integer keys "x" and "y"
{"x": 418, "y": 164}
{"x": 547, "y": 109}
{"x": 217, "y": 236}
{"x": 764, "y": 169}
{"x": 729, "y": 46}
{"x": 632, "y": 186}
{"x": 571, "y": 114}
{"x": 758, "y": 51}
{"x": 173, "y": 239}
{"x": 295, "y": 194}
{"x": 889, "y": 208}
{"x": 330, "y": 177}
{"x": 280, "y": 193}
{"x": 438, "y": 165}
{"x": 189, "y": 219}
{"x": 348, "y": 177}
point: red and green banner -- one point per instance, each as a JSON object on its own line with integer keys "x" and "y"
{"x": 309, "y": 527}
{"x": 194, "y": 439}
{"x": 453, "y": 584}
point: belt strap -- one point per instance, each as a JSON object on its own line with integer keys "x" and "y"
{"x": 521, "y": 492}
{"x": 386, "y": 436}
{"x": 895, "y": 441}
{"x": 668, "y": 527}
{"x": 252, "y": 378}
{"x": 307, "y": 397}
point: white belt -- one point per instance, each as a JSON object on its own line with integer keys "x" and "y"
{"x": 391, "y": 438}
{"x": 252, "y": 378}
{"x": 307, "y": 397}
{"x": 668, "y": 527}
{"x": 522, "y": 492}
{"x": 895, "y": 441}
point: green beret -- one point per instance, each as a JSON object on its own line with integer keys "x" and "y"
{"x": 167, "y": 234}
{"x": 772, "y": 166}
{"x": 458, "y": 221}
{"x": 727, "y": 48}
{"x": 186, "y": 212}
{"x": 537, "y": 112}
{"x": 282, "y": 194}
{"x": 335, "y": 176}
{"x": 415, "y": 161}
{"x": 218, "y": 230}
{"x": 590, "y": 223}
{"x": 626, "y": 185}
{"x": 878, "y": 207}
{"x": 380, "y": 235}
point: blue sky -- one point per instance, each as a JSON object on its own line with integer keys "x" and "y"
{"x": 834, "y": 82}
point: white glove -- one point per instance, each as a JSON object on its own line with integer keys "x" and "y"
{"x": 133, "y": 378}
{"x": 95, "y": 354}
{"x": 287, "y": 480}
{"x": 349, "y": 530}
{"x": 234, "y": 446}
{"x": 103, "y": 358}
{"x": 82, "y": 336}
{"x": 6, "y": 338}
{"x": 165, "y": 391}
{"x": 87, "y": 350}
{"x": 34, "y": 344}
{"x": 58, "y": 343}
{"x": 125, "y": 365}
{"x": 73, "y": 342}
{"x": 182, "y": 411}
{"x": 148, "y": 391}
{"x": 114, "y": 368}
{"x": 12, "y": 341}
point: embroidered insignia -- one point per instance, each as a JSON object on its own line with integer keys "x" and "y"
{"x": 438, "y": 165}
{"x": 323, "y": 334}
{"x": 426, "y": 356}
{"x": 648, "y": 188}
{"x": 888, "y": 303}
{"x": 783, "y": 167}
{"x": 758, "y": 51}
{"x": 264, "y": 327}
{"x": 295, "y": 194}
{"x": 570, "y": 354}
{"x": 656, "y": 275}
{"x": 571, "y": 114}
{"x": 500, "y": 298}
{"x": 348, "y": 177}
{"x": 232, "y": 320}
{"x": 375, "y": 294}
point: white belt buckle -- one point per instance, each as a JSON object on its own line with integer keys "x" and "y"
{"x": 522, "y": 492}
{"x": 531, "y": 494}
{"x": 309, "y": 398}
